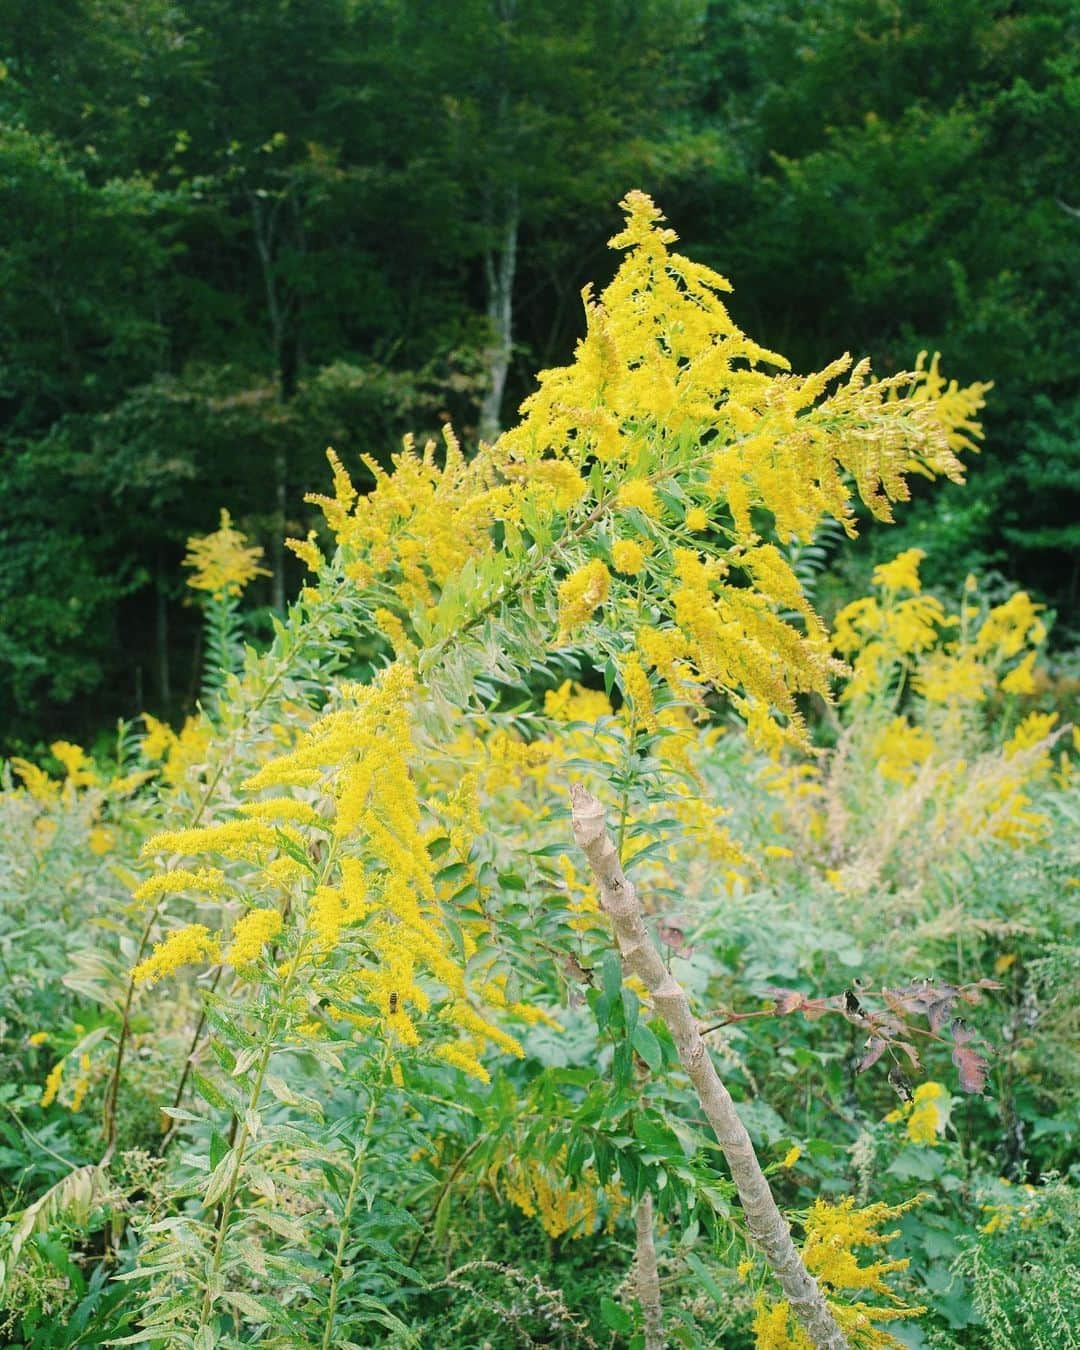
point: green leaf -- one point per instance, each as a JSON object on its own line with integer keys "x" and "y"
{"x": 618, "y": 1319}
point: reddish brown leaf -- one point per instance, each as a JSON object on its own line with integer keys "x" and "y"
{"x": 875, "y": 1048}
{"x": 910, "y": 1051}
{"x": 939, "y": 1012}
{"x": 973, "y": 1068}
{"x": 787, "y": 1000}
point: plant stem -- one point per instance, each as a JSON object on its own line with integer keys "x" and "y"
{"x": 648, "y": 1281}
{"x": 346, "y": 1216}
{"x": 640, "y": 957}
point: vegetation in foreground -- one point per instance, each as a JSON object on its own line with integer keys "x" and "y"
{"x": 314, "y": 1029}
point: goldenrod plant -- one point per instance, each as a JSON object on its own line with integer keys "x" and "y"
{"x": 342, "y": 1051}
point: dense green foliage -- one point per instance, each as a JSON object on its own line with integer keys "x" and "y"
{"x": 233, "y": 233}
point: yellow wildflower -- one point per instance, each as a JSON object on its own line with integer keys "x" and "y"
{"x": 929, "y": 1113}
{"x": 248, "y": 839}
{"x": 251, "y": 934}
{"x": 159, "y": 738}
{"x": 697, "y": 519}
{"x": 792, "y": 1156}
{"x": 573, "y": 703}
{"x": 628, "y": 556}
{"x": 1021, "y": 679}
{"x": 222, "y": 563}
{"x": 180, "y": 948}
{"x": 38, "y": 1038}
{"x": 640, "y": 495}
{"x": 208, "y": 880}
{"x": 82, "y": 1083}
{"x": 902, "y": 574}
{"x": 36, "y": 781}
{"x": 77, "y": 764}
{"x": 52, "y": 1083}
{"x": 637, "y": 689}
{"x": 462, "y": 1055}
{"x": 99, "y": 840}
{"x": 580, "y": 594}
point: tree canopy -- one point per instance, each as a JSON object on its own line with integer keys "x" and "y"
{"x": 233, "y": 234}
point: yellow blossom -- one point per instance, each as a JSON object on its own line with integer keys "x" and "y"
{"x": 82, "y": 1083}
{"x": 99, "y": 840}
{"x": 52, "y": 1083}
{"x": 628, "y": 556}
{"x": 36, "y": 781}
{"x": 902, "y": 574}
{"x": 462, "y": 1055}
{"x": 697, "y": 519}
{"x": 637, "y": 689}
{"x": 77, "y": 764}
{"x": 250, "y": 935}
{"x": 580, "y": 594}
{"x": 159, "y": 738}
{"x": 929, "y": 1113}
{"x": 792, "y": 1156}
{"x": 1021, "y": 679}
{"x": 638, "y": 494}
{"x": 222, "y": 563}
{"x": 182, "y": 947}
{"x": 249, "y": 839}
{"x": 573, "y": 703}
{"x": 208, "y": 880}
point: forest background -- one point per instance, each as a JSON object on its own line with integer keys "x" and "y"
{"x": 233, "y": 232}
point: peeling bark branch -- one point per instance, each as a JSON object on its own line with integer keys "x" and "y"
{"x": 640, "y": 957}
{"x": 648, "y": 1281}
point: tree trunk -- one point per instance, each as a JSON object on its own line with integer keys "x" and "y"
{"x": 648, "y": 1281}
{"x": 500, "y": 268}
{"x": 640, "y": 957}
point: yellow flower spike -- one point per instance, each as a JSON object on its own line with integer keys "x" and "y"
{"x": 628, "y": 557}
{"x": 77, "y": 764}
{"x": 184, "y": 946}
{"x": 159, "y": 738}
{"x": 36, "y": 781}
{"x": 697, "y": 519}
{"x": 207, "y": 880}
{"x": 246, "y": 839}
{"x": 1021, "y": 679}
{"x": 461, "y": 1055}
{"x": 307, "y": 550}
{"x": 902, "y": 574}
{"x": 221, "y": 562}
{"x": 52, "y": 1084}
{"x": 929, "y": 1114}
{"x": 636, "y": 686}
{"x": 580, "y": 595}
{"x": 638, "y": 494}
{"x": 251, "y": 934}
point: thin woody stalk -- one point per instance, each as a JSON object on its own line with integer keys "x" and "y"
{"x": 648, "y": 1280}
{"x": 640, "y": 957}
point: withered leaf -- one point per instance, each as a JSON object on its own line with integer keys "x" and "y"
{"x": 910, "y": 1051}
{"x": 787, "y": 1000}
{"x": 900, "y": 1084}
{"x": 938, "y": 1013}
{"x": 972, "y": 1066}
{"x": 875, "y": 1048}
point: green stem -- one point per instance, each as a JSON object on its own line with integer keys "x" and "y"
{"x": 346, "y": 1216}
